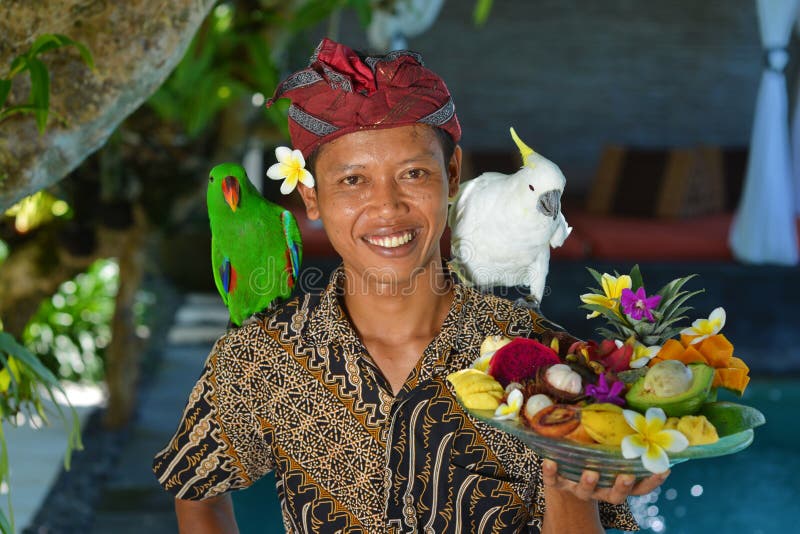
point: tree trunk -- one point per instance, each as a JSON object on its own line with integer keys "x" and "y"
{"x": 124, "y": 351}
{"x": 135, "y": 46}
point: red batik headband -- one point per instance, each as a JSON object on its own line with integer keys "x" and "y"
{"x": 342, "y": 92}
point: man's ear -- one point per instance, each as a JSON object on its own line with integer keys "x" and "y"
{"x": 454, "y": 172}
{"x": 309, "y": 196}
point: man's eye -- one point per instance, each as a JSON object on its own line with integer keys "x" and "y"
{"x": 351, "y": 180}
{"x": 416, "y": 174}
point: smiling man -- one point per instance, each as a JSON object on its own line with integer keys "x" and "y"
{"x": 343, "y": 393}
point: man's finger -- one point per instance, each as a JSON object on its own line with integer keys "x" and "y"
{"x": 649, "y": 484}
{"x": 620, "y": 490}
{"x": 588, "y": 483}
{"x": 549, "y": 473}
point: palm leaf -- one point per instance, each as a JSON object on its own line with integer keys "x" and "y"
{"x": 636, "y": 278}
{"x": 672, "y": 305}
{"x": 596, "y": 275}
{"x": 674, "y": 286}
{"x": 602, "y": 310}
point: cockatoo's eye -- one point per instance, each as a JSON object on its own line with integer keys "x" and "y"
{"x": 531, "y": 188}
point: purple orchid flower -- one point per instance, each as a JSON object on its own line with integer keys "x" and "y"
{"x": 603, "y": 393}
{"x": 638, "y": 305}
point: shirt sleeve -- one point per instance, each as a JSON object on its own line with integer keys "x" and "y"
{"x": 221, "y": 443}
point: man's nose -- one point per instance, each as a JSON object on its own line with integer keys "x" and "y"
{"x": 388, "y": 199}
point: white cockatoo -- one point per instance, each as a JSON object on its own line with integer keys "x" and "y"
{"x": 502, "y": 226}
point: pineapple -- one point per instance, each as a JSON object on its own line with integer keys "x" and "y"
{"x": 667, "y": 314}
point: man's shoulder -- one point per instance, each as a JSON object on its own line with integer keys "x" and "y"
{"x": 278, "y": 325}
{"x": 501, "y": 308}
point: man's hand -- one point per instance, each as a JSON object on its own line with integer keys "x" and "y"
{"x": 586, "y": 489}
{"x": 209, "y": 516}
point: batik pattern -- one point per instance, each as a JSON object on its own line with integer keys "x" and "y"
{"x": 295, "y": 391}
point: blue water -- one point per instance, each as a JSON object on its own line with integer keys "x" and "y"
{"x": 755, "y": 491}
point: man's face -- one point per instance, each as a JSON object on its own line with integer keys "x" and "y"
{"x": 382, "y": 197}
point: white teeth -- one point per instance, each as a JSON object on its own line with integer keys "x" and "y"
{"x": 391, "y": 242}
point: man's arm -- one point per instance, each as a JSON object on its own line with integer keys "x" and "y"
{"x": 209, "y": 516}
{"x": 572, "y": 506}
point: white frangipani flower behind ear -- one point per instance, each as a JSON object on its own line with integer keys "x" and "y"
{"x": 291, "y": 169}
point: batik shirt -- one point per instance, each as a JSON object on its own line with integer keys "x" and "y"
{"x": 295, "y": 391}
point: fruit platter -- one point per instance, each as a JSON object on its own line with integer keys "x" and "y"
{"x": 642, "y": 399}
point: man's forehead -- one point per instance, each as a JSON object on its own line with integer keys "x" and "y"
{"x": 402, "y": 143}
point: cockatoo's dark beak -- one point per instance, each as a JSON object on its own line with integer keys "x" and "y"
{"x": 230, "y": 190}
{"x": 550, "y": 203}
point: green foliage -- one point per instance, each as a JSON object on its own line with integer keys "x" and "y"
{"x": 230, "y": 59}
{"x": 71, "y": 329}
{"x": 39, "y": 101}
{"x": 24, "y": 383}
{"x": 481, "y": 12}
{"x": 202, "y": 85}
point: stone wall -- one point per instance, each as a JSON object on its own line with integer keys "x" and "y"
{"x": 571, "y": 75}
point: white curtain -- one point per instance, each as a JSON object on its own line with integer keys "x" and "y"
{"x": 764, "y": 229}
{"x": 389, "y": 29}
{"x": 795, "y": 137}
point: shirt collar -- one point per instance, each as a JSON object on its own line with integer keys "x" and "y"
{"x": 328, "y": 323}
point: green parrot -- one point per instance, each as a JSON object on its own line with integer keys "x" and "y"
{"x": 255, "y": 245}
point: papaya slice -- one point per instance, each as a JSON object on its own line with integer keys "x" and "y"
{"x": 691, "y": 355}
{"x": 738, "y": 363}
{"x": 670, "y": 350}
{"x": 686, "y": 339}
{"x": 732, "y": 379}
{"x": 717, "y": 350}
{"x": 674, "y": 350}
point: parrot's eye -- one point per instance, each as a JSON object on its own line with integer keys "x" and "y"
{"x": 211, "y": 179}
{"x": 531, "y": 187}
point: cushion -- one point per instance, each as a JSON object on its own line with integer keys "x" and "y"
{"x": 658, "y": 182}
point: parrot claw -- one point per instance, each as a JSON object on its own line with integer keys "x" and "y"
{"x": 528, "y": 301}
{"x": 458, "y": 270}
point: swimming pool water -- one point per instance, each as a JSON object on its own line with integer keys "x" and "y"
{"x": 755, "y": 491}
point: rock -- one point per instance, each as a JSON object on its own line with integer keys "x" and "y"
{"x": 135, "y": 46}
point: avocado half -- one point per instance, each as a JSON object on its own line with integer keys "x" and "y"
{"x": 686, "y": 403}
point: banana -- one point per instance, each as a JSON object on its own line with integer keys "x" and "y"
{"x": 477, "y": 390}
{"x": 481, "y": 401}
{"x": 605, "y": 423}
{"x": 697, "y": 429}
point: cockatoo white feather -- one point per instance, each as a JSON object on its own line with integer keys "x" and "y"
{"x": 503, "y": 226}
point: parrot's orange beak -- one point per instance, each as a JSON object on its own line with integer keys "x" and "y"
{"x": 230, "y": 190}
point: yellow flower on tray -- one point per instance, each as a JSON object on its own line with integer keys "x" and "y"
{"x": 652, "y": 441}
{"x": 642, "y": 354}
{"x": 612, "y": 289}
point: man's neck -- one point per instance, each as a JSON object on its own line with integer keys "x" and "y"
{"x": 399, "y": 311}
